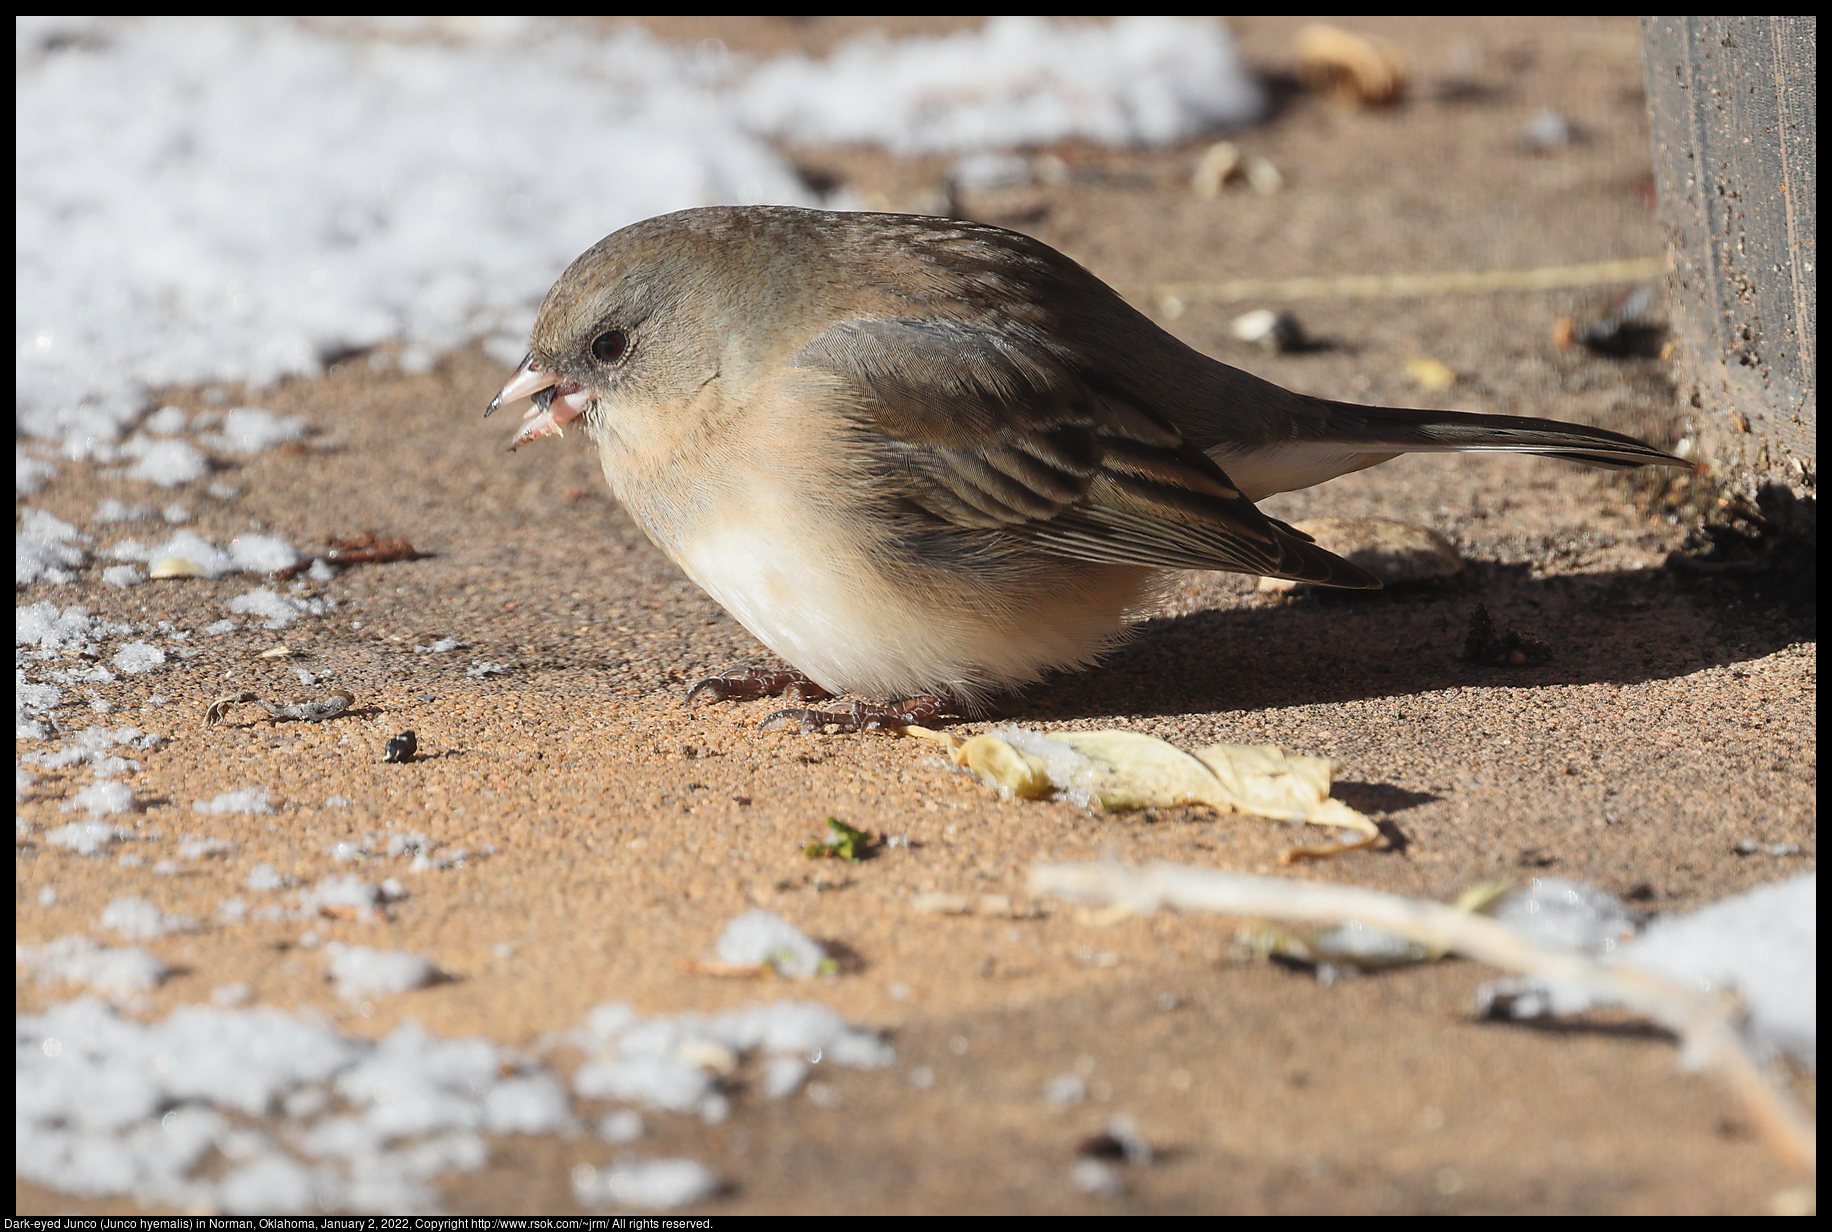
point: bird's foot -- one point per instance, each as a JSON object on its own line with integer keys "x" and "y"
{"x": 925, "y": 711}
{"x": 746, "y": 683}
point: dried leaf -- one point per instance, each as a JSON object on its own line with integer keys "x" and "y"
{"x": 313, "y": 710}
{"x": 175, "y": 567}
{"x": 219, "y": 709}
{"x": 1357, "y": 67}
{"x": 1119, "y": 770}
{"x": 1431, "y": 375}
{"x": 1003, "y": 766}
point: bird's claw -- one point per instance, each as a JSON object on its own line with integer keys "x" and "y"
{"x": 746, "y": 683}
{"x": 924, "y": 711}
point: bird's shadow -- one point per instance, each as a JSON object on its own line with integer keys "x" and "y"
{"x": 1626, "y": 627}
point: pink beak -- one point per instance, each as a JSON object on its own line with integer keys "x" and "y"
{"x": 566, "y": 403}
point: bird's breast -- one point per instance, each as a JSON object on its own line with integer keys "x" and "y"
{"x": 824, "y": 593}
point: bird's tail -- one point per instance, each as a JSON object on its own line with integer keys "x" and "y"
{"x": 1335, "y": 438}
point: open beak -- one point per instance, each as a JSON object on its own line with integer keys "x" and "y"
{"x": 555, "y": 402}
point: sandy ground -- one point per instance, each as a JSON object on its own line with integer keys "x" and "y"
{"x": 1669, "y": 722}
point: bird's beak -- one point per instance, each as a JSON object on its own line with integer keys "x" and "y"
{"x": 556, "y": 402}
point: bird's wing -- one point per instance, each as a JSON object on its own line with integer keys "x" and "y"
{"x": 994, "y": 429}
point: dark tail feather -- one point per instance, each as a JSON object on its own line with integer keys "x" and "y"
{"x": 1378, "y": 429}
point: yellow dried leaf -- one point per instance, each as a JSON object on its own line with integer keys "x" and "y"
{"x": 1431, "y": 375}
{"x": 1130, "y": 770}
{"x": 1003, "y": 766}
{"x": 175, "y": 566}
{"x": 1263, "y": 780}
{"x": 1121, "y": 770}
{"x": 1358, "y": 67}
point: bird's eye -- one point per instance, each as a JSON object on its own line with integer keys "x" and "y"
{"x": 610, "y": 346}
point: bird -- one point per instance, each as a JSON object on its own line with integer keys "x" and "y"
{"x": 929, "y": 461}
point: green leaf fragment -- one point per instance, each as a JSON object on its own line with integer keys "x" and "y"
{"x": 847, "y": 844}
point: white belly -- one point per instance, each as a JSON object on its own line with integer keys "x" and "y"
{"x": 853, "y": 630}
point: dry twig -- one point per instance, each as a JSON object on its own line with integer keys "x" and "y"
{"x": 1704, "y": 1023}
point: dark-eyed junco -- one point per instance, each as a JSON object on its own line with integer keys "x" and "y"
{"x": 927, "y": 461}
